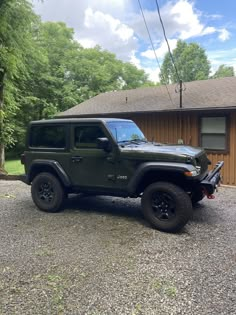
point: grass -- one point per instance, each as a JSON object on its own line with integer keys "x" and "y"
{"x": 14, "y": 167}
{"x": 165, "y": 288}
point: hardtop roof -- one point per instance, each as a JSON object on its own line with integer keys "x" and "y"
{"x": 75, "y": 120}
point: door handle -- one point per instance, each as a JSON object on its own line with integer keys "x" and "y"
{"x": 76, "y": 159}
{"x": 110, "y": 159}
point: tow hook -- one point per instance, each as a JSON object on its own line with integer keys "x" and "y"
{"x": 210, "y": 196}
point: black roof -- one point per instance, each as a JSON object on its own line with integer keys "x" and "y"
{"x": 74, "y": 120}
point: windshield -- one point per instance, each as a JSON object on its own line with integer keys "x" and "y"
{"x": 126, "y": 131}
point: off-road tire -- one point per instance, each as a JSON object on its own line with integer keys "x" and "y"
{"x": 166, "y": 206}
{"x": 47, "y": 192}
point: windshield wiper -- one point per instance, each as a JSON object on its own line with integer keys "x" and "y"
{"x": 138, "y": 140}
{"x": 132, "y": 141}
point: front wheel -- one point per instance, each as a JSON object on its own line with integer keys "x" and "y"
{"x": 47, "y": 192}
{"x": 166, "y": 206}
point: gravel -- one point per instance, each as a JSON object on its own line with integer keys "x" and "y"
{"x": 100, "y": 257}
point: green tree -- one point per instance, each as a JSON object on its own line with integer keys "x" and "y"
{"x": 191, "y": 62}
{"x": 54, "y": 72}
{"x": 224, "y": 71}
{"x": 133, "y": 77}
{"x": 49, "y": 85}
{"x": 15, "y": 37}
{"x": 99, "y": 71}
{"x": 46, "y": 86}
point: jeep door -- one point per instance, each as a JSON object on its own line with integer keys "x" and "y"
{"x": 91, "y": 168}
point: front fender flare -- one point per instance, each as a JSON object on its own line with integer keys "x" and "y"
{"x": 179, "y": 168}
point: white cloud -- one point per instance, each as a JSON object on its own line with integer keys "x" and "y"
{"x": 209, "y": 30}
{"x": 213, "y": 16}
{"x": 99, "y": 21}
{"x": 188, "y": 20}
{"x": 180, "y": 18}
{"x": 87, "y": 43}
{"x": 94, "y": 22}
{"x": 110, "y": 33}
{"x": 116, "y": 26}
{"x": 220, "y": 57}
{"x": 153, "y": 74}
{"x": 113, "y": 7}
{"x": 224, "y": 34}
{"x": 161, "y": 51}
{"x": 135, "y": 61}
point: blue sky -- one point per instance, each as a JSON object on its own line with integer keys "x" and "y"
{"x": 117, "y": 25}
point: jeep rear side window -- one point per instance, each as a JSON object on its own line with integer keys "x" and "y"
{"x": 86, "y": 136}
{"x": 48, "y": 137}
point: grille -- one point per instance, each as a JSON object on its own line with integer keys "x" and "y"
{"x": 203, "y": 161}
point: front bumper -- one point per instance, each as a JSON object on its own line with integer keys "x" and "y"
{"x": 211, "y": 181}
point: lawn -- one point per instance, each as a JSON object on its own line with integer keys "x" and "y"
{"x": 14, "y": 167}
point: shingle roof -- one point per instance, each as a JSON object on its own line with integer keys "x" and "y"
{"x": 205, "y": 94}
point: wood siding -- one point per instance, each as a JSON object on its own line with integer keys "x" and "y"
{"x": 169, "y": 127}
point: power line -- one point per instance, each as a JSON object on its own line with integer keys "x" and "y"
{"x": 150, "y": 38}
{"x": 164, "y": 32}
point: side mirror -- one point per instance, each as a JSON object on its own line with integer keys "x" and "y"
{"x": 104, "y": 143}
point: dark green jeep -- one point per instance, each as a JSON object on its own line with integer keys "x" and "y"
{"x": 112, "y": 157}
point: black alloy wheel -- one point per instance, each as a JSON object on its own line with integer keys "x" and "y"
{"x": 163, "y": 205}
{"x": 47, "y": 192}
{"x": 166, "y": 206}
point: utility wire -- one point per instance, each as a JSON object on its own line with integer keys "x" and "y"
{"x": 164, "y": 32}
{"x": 150, "y": 38}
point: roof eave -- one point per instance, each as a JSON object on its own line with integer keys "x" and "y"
{"x": 149, "y": 111}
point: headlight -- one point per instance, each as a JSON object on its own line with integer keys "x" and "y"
{"x": 193, "y": 173}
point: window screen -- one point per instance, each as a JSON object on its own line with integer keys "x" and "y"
{"x": 48, "y": 136}
{"x": 86, "y": 136}
{"x": 213, "y": 133}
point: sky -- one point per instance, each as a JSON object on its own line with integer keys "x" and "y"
{"x": 118, "y": 26}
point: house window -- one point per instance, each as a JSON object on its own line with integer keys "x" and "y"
{"x": 213, "y": 133}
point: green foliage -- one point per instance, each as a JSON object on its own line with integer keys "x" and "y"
{"x": 224, "y": 71}
{"x": 16, "y": 40}
{"x": 44, "y": 70}
{"x": 191, "y": 62}
{"x": 14, "y": 167}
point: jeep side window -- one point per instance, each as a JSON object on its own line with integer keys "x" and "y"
{"x": 86, "y": 136}
{"x": 48, "y": 137}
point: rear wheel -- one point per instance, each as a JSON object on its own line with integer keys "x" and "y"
{"x": 47, "y": 192}
{"x": 166, "y": 206}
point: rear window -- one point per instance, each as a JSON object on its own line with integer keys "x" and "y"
{"x": 48, "y": 137}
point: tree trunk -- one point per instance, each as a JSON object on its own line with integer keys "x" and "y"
{"x": 2, "y": 147}
{"x": 2, "y": 159}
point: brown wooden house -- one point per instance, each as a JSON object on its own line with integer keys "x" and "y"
{"x": 207, "y": 117}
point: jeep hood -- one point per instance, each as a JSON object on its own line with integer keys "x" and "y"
{"x": 159, "y": 151}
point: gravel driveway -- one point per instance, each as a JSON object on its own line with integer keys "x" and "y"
{"x": 100, "y": 257}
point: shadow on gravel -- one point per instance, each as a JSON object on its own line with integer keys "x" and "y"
{"x": 206, "y": 213}
{"x": 112, "y": 206}
{"x": 125, "y": 207}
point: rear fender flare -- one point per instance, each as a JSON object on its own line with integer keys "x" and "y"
{"x": 56, "y": 166}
